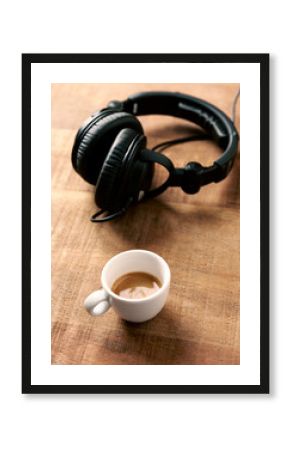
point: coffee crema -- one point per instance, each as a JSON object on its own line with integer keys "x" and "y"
{"x": 136, "y": 285}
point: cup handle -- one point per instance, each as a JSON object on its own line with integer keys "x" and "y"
{"x": 97, "y": 303}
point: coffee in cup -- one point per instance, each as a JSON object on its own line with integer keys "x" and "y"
{"x": 136, "y": 285}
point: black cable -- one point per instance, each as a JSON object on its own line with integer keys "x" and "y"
{"x": 113, "y": 215}
{"x": 195, "y": 137}
{"x": 235, "y": 101}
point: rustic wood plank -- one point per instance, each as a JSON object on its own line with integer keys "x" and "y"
{"x": 198, "y": 236}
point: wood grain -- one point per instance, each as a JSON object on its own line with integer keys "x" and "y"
{"x": 197, "y": 235}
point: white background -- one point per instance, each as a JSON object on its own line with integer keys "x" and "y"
{"x": 202, "y": 421}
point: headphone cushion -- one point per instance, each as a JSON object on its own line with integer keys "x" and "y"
{"x": 108, "y": 193}
{"x": 90, "y": 152}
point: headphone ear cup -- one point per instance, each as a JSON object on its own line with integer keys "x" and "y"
{"x": 139, "y": 174}
{"x": 93, "y": 143}
{"x": 145, "y": 175}
{"x": 110, "y": 192}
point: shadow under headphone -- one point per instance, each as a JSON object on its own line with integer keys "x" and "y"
{"x": 110, "y": 150}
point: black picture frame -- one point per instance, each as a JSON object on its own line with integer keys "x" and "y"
{"x": 263, "y": 61}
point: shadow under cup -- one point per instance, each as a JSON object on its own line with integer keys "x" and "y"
{"x": 146, "y": 308}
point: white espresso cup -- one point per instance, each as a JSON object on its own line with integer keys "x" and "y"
{"x": 139, "y": 310}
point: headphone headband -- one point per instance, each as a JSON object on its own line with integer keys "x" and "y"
{"x": 207, "y": 116}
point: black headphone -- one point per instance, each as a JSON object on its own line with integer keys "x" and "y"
{"x": 110, "y": 150}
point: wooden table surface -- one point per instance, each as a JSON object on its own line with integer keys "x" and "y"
{"x": 198, "y": 236}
